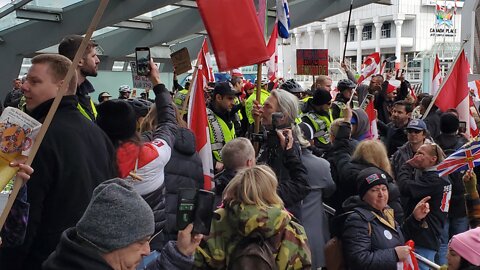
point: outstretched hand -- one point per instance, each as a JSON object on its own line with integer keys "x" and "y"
{"x": 422, "y": 209}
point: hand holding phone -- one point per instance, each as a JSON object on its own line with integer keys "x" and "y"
{"x": 195, "y": 207}
{"x": 142, "y": 57}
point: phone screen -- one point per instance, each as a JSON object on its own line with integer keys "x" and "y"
{"x": 185, "y": 207}
{"x": 203, "y": 212}
{"x": 143, "y": 59}
{"x": 462, "y": 127}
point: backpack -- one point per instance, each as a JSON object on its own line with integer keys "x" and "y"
{"x": 253, "y": 253}
{"x": 334, "y": 259}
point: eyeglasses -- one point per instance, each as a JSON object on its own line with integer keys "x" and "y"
{"x": 416, "y": 131}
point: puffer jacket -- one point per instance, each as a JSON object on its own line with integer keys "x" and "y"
{"x": 238, "y": 221}
{"x": 370, "y": 236}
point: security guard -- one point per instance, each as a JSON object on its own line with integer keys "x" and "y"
{"x": 319, "y": 117}
{"x": 220, "y": 120}
{"x": 264, "y": 94}
{"x": 345, "y": 88}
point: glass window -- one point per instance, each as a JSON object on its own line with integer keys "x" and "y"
{"x": 352, "y": 34}
{"x": 367, "y": 32}
{"x": 386, "y": 32}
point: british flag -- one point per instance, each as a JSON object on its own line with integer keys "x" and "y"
{"x": 465, "y": 158}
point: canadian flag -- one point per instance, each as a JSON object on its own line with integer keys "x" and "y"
{"x": 475, "y": 89}
{"x": 272, "y": 63}
{"x": 454, "y": 92}
{"x": 372, "y": 118}
{"x": 370, "y": 66}
{"x": 437, "y": 76}
{"x": 411, "y": 262}
{"x": 197, "y": 116}
{"x": 474, "y": 131}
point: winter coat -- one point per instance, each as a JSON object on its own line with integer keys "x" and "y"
{"x": 433, "y": 123}
{"x": 237, "y": 221}
{"x": 370, "y": 236}
{"x": 74, "y": 157}
{"x": 314, "y": 218}
{"x": 72, "y": 253}
{"x": 422, "y": 184}
{"x": 393, "y": 136}
{"x": 221, "y": 181}
{"x": 184, "y": 170}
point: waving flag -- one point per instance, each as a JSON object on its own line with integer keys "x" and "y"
{"x": 475, "y": 89}
{"x": 465, "y": 158}
{"x": 197, "y": 116}
{"x": 411, "y": 262}
{"x": 283, "y": 18}
{"x": 437, "y": 76}
{"x": 372, "y": 118}
{"x": 371, "y": 64}
{"x": 272, "y": 64}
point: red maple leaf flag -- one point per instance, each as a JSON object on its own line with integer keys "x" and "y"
{"x": 437, "y": 76}
{"x": 234, "y": 32}
{"x": 370, "y": 66}
{"x": 197, "y": 116}
{"x": 272, "y": 63}
{"x": 454, "y": 93}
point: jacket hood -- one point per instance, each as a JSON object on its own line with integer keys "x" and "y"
{"x": 363, "y": 126}
{"x": 249, "y": 218}
{"x": 185, "y": 142}
{"x": 353, "y": 201}
{"x": 70, "y": 254}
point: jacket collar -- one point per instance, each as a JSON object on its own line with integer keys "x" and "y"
{"x": 40, "y": 112}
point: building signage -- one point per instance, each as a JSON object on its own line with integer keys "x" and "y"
{"x": 312, "y": 62}
{"x": 444, "y": 22}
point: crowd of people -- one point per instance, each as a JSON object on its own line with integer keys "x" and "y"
{"x": 102, "y": 192}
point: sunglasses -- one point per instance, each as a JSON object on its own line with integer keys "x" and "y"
{"x": 416, "y": 131}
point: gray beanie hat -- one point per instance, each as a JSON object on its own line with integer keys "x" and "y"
{"x": 116, "y": 217}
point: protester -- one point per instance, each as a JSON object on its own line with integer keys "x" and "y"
{"x": 251, "y": 212}
{"x": 323, "y": 81}
{"x": 472, "y": 198}
{"x": 432, "y": 119}
{"x": 463, "y": 251}
{"x": 13, "y": 97}
{"x": 360, "y": 125}
{"x": 87, "y": 66}
{"x": 393, "y": 134}
{"x": 103, "y": 96}
{"x": 113, "y": 233}
{"x": 372, "y": 239}
{"x": 74, "y": 157}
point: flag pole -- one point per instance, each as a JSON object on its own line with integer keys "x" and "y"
{"x": 51, "y": 113}
{"x": 443, "y": 81}
{"x": 256, "y": 127}
{"x": 348, "y": 29}
{"x": 189, "y": 90}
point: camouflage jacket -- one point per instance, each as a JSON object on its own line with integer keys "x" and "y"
{"x": 238, "y": 221}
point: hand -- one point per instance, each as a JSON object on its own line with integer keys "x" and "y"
{"x": 421, "y": 209}
{"x": 403, "y": 252}
{"x": 186, "y": 243}
{"x": 154, "y": 74}
{"x": 286, "y": 138}
{"x": 470, "y": 181}
{"x": 24, "y": 171}
{"x": 257, "y": 109}
{"x": 218, "y": 166}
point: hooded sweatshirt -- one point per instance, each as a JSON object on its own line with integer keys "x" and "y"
{"x": 362, "y": 130}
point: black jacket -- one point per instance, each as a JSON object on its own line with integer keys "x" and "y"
{"x": 393, "y": 137}
{"x": 221, "y": 181}
{"x": 368, "y": 242}
{"x": 74, "y": 157}
{"x": 184, "y": 170}
{"x": 426, "y": 183}
{"x": 433, "y": 123}
{"x": 291, "y": 173}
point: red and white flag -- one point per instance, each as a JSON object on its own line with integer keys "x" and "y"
{"x": 372, "y": 118}
{"x": 371, "y": 64}
{"x": 475, "y": 89}
{"x": 437, "y": 76}
{"x": 454, "y": 93}
{"x": 272, "y": 63}
{"x": 411, "y": 262}
{"x": 197, "y": 116}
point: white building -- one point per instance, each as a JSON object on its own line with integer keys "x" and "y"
{"x": 407, "y": 29}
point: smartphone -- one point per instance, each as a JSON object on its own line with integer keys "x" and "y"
{"x": 185, "y": 207}
{"x": 366, "y": 100}
{"x": 400, "y": 73}
{"x": 203, "y": 212}
{"x": 142, "y": 57}
{"x": 462, "y": 127}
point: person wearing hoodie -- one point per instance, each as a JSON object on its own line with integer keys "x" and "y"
{"x": 371, "y": 237}
{"x": 360, "y": 125}
{"x": 251, "y": 211}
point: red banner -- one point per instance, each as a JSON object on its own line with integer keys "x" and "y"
{"x": 312, "y": 62}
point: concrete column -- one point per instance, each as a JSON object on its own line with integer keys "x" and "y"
{"x": 378, "y": 32}
{"x": 341, "y": 29}
{"x": 311, "y": 37}
{"x": 398, "y": 45}
{"x": 298, "y": 35}
{"x": 359, "y": 27}
{"x": 326, "y": 32}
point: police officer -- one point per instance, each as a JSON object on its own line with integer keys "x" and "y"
{"x": 345, "y": 88}
{"x": 124, "y": 92}
{"x": 318, "y": 116}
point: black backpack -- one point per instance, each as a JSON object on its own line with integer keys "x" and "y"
{"x": 254, "y": 252}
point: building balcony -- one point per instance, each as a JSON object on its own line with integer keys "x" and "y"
{"x": 384, "y": 43}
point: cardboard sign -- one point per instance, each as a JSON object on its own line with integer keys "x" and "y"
{"x": 139, "y": 81}
{"x": 312, "y": 62}
{"x": 181, "y": 61}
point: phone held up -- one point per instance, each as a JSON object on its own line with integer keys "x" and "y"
{"x": 195, "y": 206}
{"x": 142, "y": 58}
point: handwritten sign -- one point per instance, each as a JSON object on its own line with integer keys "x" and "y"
{"x": 181, "y": 61}
{"x": 139, "y": 81}
{"x": 312, "y": 62}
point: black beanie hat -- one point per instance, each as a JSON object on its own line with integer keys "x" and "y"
{"x": 117, "y": 118}
{"x": 449, "y": 123}
{"x": 368, "y": 178}
{"x": 321, "y": 96}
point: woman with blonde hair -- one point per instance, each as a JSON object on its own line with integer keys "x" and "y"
{"x": 252, "y": 212}
{"x": 369, "y": 153}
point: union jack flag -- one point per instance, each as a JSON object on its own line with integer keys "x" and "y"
{"x": 465, "y": 158}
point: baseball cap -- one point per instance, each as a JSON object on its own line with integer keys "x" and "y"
{"x": 224, "y": 88}
{"x": 417, "y": 124}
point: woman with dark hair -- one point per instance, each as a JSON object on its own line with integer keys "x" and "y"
{"x": 464, "y": 251}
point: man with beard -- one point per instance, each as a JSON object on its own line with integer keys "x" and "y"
{"x": 87, "y": 66}
{"x": 220, "y": 120}
{"x": 393, "y": 133}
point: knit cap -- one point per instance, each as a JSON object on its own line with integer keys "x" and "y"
{"x": 370, "y": 177}
{"x": 321, "y": 97}
{"x": 467, "y": 245}
{"x": 449, "y": 123}
{"x": 116, "y": 217}
{"x": 117, "y": 118}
